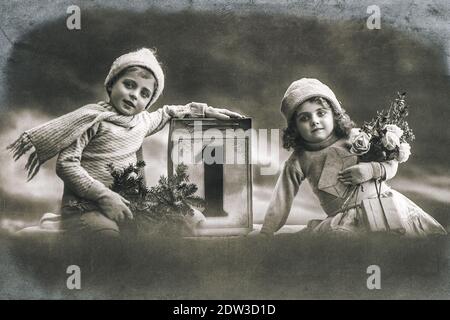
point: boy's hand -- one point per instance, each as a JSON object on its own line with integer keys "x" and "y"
{"x": 114, "y": 206}
{"x": 356, "y": 174}
{"x": 221, "y": 114}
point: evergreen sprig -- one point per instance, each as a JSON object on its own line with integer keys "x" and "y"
{"x": 396, "y": 114}
{"x": 161, "y": 208}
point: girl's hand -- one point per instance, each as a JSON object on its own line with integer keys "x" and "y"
{"x": 356, "y": 174}
{"x": 259, "y": 236}
{"x": 221, "y": 114}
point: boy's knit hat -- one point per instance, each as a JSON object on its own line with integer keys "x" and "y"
{"x": 143, "y": 58}
{"x": 301, "y": 90}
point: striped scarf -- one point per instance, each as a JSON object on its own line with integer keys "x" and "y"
{"x": 47, "y": 140}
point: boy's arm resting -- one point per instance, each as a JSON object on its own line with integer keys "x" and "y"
{"x": 160, "y": 117}
{"x": 282, "y": 197}
{"x": 193, "y": 110}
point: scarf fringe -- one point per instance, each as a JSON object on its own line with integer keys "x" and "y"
{"x": 22, "y": 146}
{"x": 33, "y": 165}
{"x": 47, "y": 140}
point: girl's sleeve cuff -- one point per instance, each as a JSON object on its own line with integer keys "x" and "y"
{"x": 266, "y": 232}
{"x": 377, "y": 172}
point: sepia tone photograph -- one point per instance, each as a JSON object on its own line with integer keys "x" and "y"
{"x": 236, "y": 150}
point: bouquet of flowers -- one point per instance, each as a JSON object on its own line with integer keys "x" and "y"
{"x": 387, "y": 136}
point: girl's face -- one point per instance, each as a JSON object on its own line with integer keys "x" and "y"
{"x": 315, "y": 123}
{"x": 132, "y": 92}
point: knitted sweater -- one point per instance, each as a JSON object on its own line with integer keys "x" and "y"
{"x": 310, "y": 165}
{"x": 83, "y": 165}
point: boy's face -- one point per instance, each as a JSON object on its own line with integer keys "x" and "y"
{"x": 315, "y": 123}
{"x": 132, "y": 92}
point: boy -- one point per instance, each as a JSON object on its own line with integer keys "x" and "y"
{"x": 89, "y": 138}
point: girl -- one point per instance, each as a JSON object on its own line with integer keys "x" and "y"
{"x": 318, "y": 131}
{"x": 90, "y": 138}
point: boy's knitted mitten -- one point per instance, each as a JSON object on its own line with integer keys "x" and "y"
{"x": 111, "y": 204}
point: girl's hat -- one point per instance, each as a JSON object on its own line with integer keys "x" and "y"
{"x": 142, "y": 58}
{"x": 301, "y": 90}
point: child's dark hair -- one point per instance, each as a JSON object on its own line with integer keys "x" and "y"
{"x": 342, "y": 126}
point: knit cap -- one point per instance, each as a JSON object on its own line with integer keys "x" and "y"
{"x": 143, "y": 58}
{"x": 301, "y": 90}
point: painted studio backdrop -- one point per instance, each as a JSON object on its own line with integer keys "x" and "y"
{"x": 241, "y": 55}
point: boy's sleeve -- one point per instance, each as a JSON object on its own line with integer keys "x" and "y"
{"x": 282, "y": 197}
{"x": 160, "y": 117}
{"x": 69, "y": 169}
{"x": 385, "y": 170}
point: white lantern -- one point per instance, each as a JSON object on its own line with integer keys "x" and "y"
{"x": 217, "y": 154}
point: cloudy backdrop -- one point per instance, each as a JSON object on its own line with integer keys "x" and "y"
{"x": 239, "y": 55}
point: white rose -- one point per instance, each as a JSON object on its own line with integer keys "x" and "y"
{"x": 354, "y": 132}
{"x": 360, "y": 143}
{"x": 390, "y": 140}
{"x": 118, "y": 171}
{"x": 394, "y": 129}
{"x": 404, "y": 151}
{"x": 132, "y": 176}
